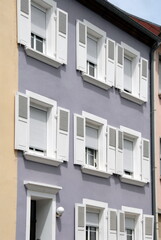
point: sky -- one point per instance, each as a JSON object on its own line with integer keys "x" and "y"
{"x": 146, "y": 9}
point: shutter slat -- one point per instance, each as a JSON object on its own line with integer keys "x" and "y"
{"x": 79, "y": 139}
{"x": 62, "y": 35}
{"x": 119, "y": 66}
{"x": 110, "y": 62}
{"x": 63, "y": 134}
{"x": 81, "y": 42}
{"x": 24, "y": 22}
{"x": 111, "y": 149}
{"x": 119, "y": 153}
{"x": 121, "y": 225}
{"x": 80, "y": 220}
{"x": 21, "y": 122}
{"x": 112, "y": 224}
{"x": 148, "y": 225}
{"x": 145, "y": 160}
{"x": 144, "y": 80}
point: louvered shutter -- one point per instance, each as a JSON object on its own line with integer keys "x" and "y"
{"x": 79, "y": 140}
{"x": 112, "y": 224}
{"x": 63, "y": 134}
{"x": 21, "y": 122}
{"x": 119, "y": 153}
{"x": 144, "y": 80}
{"x": 148, "y": 227}
{"x": 62, "y": 35}
{"x": 24, "y": 22}
{"x": 81, "y": 31}
{"x": 119, "y": 66}
{"x": 145, "y": 160}
{"x": 111, "y": 149}
{"x": 110, "y": 62}
{"x": 80, "y": 222}
{"x": 121, "y": 225}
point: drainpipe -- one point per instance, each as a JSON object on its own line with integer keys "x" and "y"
{"x": 153, "y": 165}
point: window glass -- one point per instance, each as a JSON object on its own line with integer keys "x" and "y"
{"x": 128, "y": 156}
{"x": 127, "y": 74}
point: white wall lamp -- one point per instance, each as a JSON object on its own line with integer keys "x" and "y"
{"x": 59, "y": 211}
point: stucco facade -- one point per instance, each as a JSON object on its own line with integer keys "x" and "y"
{"x": 66, "y": 86}
{"x": 9, "y": 83}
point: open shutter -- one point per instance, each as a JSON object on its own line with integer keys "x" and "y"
{"x": 121, "y": 225}
{"x": 145, "y": 160}
{"x": 81, "y": 31}
{"x": 144, "y": 80}
{"x": 63, "y": 134}
{"x": 21, "y": 122}
{"x": 119, "y": 153}
{"x": 62, "y": 35}
{"x": 119, "y": 66}
{"x": 110, "y": 62}
{"x": 148, "y": 227}
{"x": 111, "y": 149}
{"x": 24, "y": 22}
{"x": 79, "y": 140}
{"x": 80, "y": 222}
{"x": 112, "y": 224}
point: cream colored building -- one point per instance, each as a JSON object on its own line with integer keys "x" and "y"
{"x": 8, "y": 86}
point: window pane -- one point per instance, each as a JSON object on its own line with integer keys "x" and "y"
{"x": 39, "y": 44}
{"x": 128, "y": 155}
{"x": 91, "y": 70}
{"x": 32, "y": 40}
{"x": 90, "y": 157}
{"x": 92, "y": 233}
{"x": 127, "y": 74}
{"x": 38, "y": 128}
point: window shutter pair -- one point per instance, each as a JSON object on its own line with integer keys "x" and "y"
{"x": 145, "y": 160}
{"x": 56, "y": 32}
{"x": 116, "y": 224}
{"x": 22, "y": 127}
{"x": 80, "y": 222}
{"x": 115, "y": 150}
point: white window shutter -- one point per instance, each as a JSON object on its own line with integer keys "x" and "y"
{"x": 121, "y": 225}
{"x": 119, "y": 153}
{"x": 110, "y": 62}
{"x": 63, "y": 134}
{"x": 112, "y": 224}
{"x": 79, "y": 139}
{"x": 148, "y": 227}
{"x": 62, "y": 36}
{"x": 119, "y": 67}
{"x": 80, "y": 222}
{"x": 144, "y": 79}
{"x": 111, "y": 149}
{"x": 145, "y": 160}
{"x": 24, "y": 22}
{"x": 81, "y": 37}
{"x": 21, "y": 121}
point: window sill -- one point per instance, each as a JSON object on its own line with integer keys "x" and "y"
{"x": 126, "y": 179}
{"x": 43, "y": 188}
{"x": 41, "y": 159}
{"x": 95, "y": 172}
{"x": 95, "y": 81}
{"x": 43, "y": 58}
{"x": 132, "y": 98}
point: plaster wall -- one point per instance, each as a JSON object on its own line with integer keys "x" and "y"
{"x": 8, "y": 86}
{"x": 65, "y": 85}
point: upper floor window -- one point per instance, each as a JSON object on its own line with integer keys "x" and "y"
{"x": 95, "y": 55}
{"x": 131, "y": 74}
{"x": 43, "y": 30}
{"x": 41, "y": 129}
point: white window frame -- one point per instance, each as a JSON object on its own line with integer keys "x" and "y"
{"x": 100, "y": 78}
{"x": 137, "y": 214}
{"x": 134, "y": 178}
{"x": 100, "y": 124}
{"x": 41, "y": 191}
{"x": 52, "y": 54}
{"x": 102, "y": 208}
